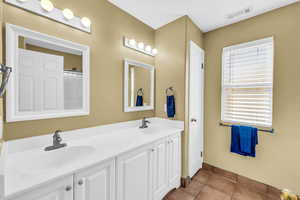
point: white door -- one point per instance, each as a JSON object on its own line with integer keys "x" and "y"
{"x": 58, "y": 190}
{"x": 196, "y": 88}
{"x": 40, "y": 82}
{"x": 174, "y": 166}
{"x": 134, "y": 175}
{"x": 160, "y": 169}
{"x": 96, "y": 183}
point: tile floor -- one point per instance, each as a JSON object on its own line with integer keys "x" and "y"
{"x": 211, "y": 185}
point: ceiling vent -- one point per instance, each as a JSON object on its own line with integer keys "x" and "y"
{"x": 239, "y": 13}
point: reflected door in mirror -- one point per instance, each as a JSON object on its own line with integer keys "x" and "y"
{"x": 49, "y": 77}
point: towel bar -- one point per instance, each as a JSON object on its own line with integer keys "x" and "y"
{"x": 264, "y": 130}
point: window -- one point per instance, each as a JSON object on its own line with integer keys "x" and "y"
{"x": 247, "y": 83}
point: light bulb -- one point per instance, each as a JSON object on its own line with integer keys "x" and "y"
{"x": 132, "y": 42}
{"x": 141, "y": 45}
{"x": 68, "y": 14}
{"x": 47, "y": 5}
{"x": 148, "y": 48}
{"x": 154, "y": 51}
{"x": 86, "y": 22}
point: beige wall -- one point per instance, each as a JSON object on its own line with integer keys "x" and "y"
{"x": 172, "y": 42}
{"x": 109, "y": 25}
{"x": 278, "y": 155}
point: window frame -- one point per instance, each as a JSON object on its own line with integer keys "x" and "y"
{"x": 240, "y": 46}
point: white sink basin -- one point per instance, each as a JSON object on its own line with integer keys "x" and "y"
{"x": 41, "y": 161}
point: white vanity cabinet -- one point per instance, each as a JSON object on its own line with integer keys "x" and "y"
{"x": 166, "y": 166}
{"x": 174, "y": 156}
{"x": 147, "y": 172}
{"x": 96, "y": 183}
{"x": 61, "y": 189}
{"x": 160, "y": 169}
{"x": 150, "y": 172}
{"x": 134, "y": 172}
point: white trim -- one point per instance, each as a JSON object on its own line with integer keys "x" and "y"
{"x": 151, "y": 68}
{"x": 126, "y": 44}
{"x": 12, "y": 34}
{"x": 51, "y": 46}
{"x": 56, "y": 14}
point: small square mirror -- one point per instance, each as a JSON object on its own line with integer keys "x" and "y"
{"x": 138, "y": 86}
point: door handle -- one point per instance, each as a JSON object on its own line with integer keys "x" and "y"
{"x": 80, "y": 182}
{"x": 193, "y": 120}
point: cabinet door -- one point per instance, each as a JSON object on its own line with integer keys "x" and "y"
{"x": 134, "y": 171}
{"x": 174, "y": 153}
{"x": 57, "y": 190}
{"x": 160, "y": 169}
{"x": 96, "y": 183}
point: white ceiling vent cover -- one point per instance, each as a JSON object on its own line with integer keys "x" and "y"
{"x": 239, "y": 13}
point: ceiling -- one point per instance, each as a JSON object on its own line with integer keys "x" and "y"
{"x": 206, "y": 14}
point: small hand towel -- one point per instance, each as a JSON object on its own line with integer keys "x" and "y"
{"x": 171, "y": 106}
{"x": 139, "y": 101}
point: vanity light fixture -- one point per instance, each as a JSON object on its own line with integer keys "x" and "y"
{"x": 68, "y": 14}
{"x": 46, "y": 8}
{"x": 86, "y": 22}
{"x": 132, "y": 42}
{"x": 47, "y": 5}
{"x": 148, "y": 48}
{"x": 154, "y": 51}
{"x": 139, "y": 46}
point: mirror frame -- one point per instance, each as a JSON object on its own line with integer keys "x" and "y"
{"x": 12, "y": 35}
{"x": 151, "y": 68}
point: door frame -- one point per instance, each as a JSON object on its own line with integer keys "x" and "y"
{"x": 187, "y": 106}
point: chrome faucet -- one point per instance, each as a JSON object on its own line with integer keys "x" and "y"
{"x": 144, "y": 123}
{"x": 56, "y": 142}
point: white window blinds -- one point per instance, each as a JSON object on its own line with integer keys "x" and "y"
{"x": 247, "y": 83}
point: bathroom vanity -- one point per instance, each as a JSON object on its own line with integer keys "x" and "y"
{"x": 112, "y": 162}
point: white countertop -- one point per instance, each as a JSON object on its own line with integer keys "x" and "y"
{"x": 107, "y": 142}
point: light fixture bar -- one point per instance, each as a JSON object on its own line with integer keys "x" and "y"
{"x": 139, "y": 46}
{"x": 55, "y": 14}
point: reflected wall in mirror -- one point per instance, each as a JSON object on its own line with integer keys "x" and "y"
{"x": 138, "y": 86}
{"x": 49, "y": 78}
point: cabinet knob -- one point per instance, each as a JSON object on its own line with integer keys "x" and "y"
{"x": 80, "y": 182}
{"x": 68, "y": 188}
{"x": 152, "y": 150}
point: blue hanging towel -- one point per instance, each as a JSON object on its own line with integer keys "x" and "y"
{"x": 244, "y": 140}
{"x": 171, "y": 106}
{"x": 139, "y": 100}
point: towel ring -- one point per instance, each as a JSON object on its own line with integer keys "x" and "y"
{"x": 170, "y": 89}
{"x": 140, "y": 92}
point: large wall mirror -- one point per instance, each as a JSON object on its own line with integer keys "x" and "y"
{"x": 138, "y": 86}
{"x": 50, "y": 76}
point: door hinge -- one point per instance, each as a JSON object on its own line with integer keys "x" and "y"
{"x": 202, "y": 66}
{"x": 201, "y": 154}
